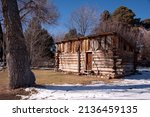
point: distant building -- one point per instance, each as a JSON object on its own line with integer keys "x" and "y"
{"x": 107, "y": 55}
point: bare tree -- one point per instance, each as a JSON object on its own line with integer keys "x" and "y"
{"x": 132, "y": 34}
{"x": 83, "y": 19}
{"x": 44, "y": 10}
{"x": 19, "y": 72}
{"x": 40, "y": 44}
{"x": 145, "y": 52}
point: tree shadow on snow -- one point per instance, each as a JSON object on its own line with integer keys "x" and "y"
{"x": 141, "y": 75}
{"x": 93, "y": 87}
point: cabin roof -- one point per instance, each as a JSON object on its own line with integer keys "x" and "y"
{"x": 130, "y": 42}
{"x": 87, "y": 37}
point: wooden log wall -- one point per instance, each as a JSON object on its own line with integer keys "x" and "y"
{"x": 127, "y": 62}
{"x": 69, "y": 62}
{"x": 101, "y": 64}
{"x": 104, "y": 64}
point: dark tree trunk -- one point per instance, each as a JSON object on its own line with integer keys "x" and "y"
{"x": 19, "y": 71}
{"x": 1, "y": 43}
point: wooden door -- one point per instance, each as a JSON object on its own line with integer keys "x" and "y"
{"x": 89, "y": 61}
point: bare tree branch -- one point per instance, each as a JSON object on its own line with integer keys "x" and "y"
{"x": 43, "y": 10}
{"x": 84, "y": 19}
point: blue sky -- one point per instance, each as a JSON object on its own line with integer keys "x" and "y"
{"x": 65, "y": 8}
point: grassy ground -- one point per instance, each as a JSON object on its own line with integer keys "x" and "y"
{"x": 44, "y": 77}
{"x": 51, "y": 77}
{"x": 3, "y": 77}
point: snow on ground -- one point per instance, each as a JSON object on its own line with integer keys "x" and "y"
{"x": 131, "y": 87}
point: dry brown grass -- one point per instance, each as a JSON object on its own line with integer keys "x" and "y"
{"x": 51, "y": 77}
{"x": 3, "y": 77}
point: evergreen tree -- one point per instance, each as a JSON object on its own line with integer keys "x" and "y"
{"x": 105, "y": 16}
{"x": 124, "y": 15}
{"x": 146, "y": 23}
{"x": 40, "y": 43}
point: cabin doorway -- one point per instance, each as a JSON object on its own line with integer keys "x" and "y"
{"x": 89, "y": 61}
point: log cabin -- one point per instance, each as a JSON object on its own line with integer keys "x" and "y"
{"x": 107, "y": 55}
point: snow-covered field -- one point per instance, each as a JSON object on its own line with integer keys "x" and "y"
{"x": 132, "y": 87}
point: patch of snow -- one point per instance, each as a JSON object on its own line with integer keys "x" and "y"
{"x": 131, "y": 87}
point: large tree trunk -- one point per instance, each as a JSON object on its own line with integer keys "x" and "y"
{"x": 1, "y": 43}
{"x": 19, "y": 71}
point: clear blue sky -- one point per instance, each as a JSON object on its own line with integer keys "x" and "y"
{"x": 140, "y": 7}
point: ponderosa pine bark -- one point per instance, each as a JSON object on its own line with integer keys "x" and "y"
{"x": 19, "y": 72}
